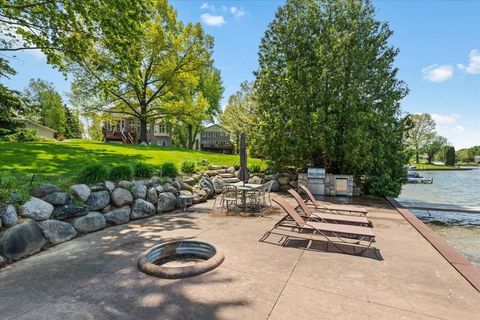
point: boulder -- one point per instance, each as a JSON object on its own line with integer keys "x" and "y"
{"x": 283, "y": 180}
{"x": 98, "y": 200}
{"x": 22, "y": 240}
{"x": 168, "y": 187}
{"x": 69, "y": 211}
{"x": 284, "y": 188}
{"x": 142, "y": 209}
{"x": 218, "y": 184}
{"x": 293, "y": 184}
{"x": 155, "y": 180}
{"x": 186, "y": 193}
{"x": 3, "y": 261}
{"x": 36, "y": 209}
{"x": 57, "y": 231}
{"x": 58, "y": 198}
{"x": 207, "y": 185}
{"x": 152, "y": 195}
{"x": 185, "y": 186}
{"x": 108, "y": 186}
{"x": 125, "y": 184}
{"x": 118, "y": 215}
{"x": 80, "y": 191}
{"x": 93, "y": 221}
{"x": 139, "y": 191}
{"x": 293, "y": 177}
{"x": 166, "y": 202}
{"x": 159, "y": 189}
{"x": 177, "y": 184}
{"x": 15, "y": 198}
{"x": 98, "y": 187}
{"x": 231, "y": 170}
{"x": 255, "y": 180}
{"x": 275, "y": 186}
{"x": 106, "y": 209}
{"x": 189, "y": 180}
{"x": 270, "y": 177}
{"x": 121, "y": 197}
{"x": 44, "y": 189}
{"x": 214, "y": 167}
{"x": 8, "y": 216}
{"x": 199, "y": 195}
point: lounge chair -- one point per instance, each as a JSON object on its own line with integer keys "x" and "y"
{"x": 336, "y": 234}
{"x": 335, "y": 208}
{"x": 325, "y": 217}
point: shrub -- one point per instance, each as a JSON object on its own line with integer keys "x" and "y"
{"x": 21, "y": 135}
{"x": 142, "y": 170}
{"x": 121, "y": 172}
{"x": 236, "y": 165}
{"x": 202, "y": 162}
{"x": 188, "y": 166}
{"x": 254, "y": 168}
{"x": 169, "y": 169}
{"x": 8, "y": 186}
{"x": 93, "y": 173}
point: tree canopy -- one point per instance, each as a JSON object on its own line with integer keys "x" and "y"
{"x": 167, "y": 60}
{"x": 421, "y": 133}
{"x": 328, "y": 93}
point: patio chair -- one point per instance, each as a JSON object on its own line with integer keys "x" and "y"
{"x": 230, "y": 196}
{"x": 258, "y": 197}
{"x": 325, "y": 217}
{"x": 335, "y": 208}
{"x": 335, "y": 234}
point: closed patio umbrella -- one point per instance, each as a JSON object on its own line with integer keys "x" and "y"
{"x": 243, "y": 174}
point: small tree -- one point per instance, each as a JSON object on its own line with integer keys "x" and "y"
{"x": 450, "y": 156}
{"x": 434, "y": 145}
{"x": 421, "y": 133}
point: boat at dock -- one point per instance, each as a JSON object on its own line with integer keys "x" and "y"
{"x": 415, "y": 177}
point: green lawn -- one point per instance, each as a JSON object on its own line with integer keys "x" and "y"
{"x": 430, "y": 166}
{"x": 60, "y": 162}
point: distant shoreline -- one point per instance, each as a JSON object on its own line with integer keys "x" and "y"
{"x": 446, "y": 169}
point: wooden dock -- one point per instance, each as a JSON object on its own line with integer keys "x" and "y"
{"x": 440, "y": 207}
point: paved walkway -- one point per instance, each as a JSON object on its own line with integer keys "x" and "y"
{"x": 95, "y": 276}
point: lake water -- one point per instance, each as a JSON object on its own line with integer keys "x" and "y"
{"x": 461, "y": 230}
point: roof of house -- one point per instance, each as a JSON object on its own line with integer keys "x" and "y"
{"x": 18, "y": 119}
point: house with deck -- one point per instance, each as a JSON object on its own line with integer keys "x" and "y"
{"x": 126, "y": 129}
{"x": 215, "y": 139}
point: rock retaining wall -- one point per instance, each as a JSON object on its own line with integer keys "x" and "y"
{"x": 52, "y": 216}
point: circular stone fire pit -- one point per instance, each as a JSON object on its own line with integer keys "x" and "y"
{"x": 180, "y": 259}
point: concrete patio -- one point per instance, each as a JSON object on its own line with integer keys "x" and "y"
{"x": 95, "y": 276}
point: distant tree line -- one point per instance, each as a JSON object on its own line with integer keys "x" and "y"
{"x": 468, "y": 155}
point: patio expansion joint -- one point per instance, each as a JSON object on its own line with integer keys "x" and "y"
{"x": 285, "y": 284}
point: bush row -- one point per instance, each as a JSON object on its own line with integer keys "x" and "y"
{"x": 98, "y": 172}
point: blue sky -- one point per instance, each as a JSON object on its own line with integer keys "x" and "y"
{"x": 439, "y": 56}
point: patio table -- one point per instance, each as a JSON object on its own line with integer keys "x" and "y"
{"x": 244, "y": 188}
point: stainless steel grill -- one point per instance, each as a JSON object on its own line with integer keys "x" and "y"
{"x": 316, "y": 180}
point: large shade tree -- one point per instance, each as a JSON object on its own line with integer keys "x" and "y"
{"x": 328, "y": 93}
{"x": 421, "y": 133}
{"x": 166, "y": 62}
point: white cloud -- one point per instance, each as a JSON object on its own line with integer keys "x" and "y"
{"x": 36, "y": 54}
{"x": 237, "y": 13}
{"x": 207, "y": 6}
{"x": 445, "y": 118}
{"x": 457, "y": 129}
{"x": 474, "y": 63}
{"x": 436, "y": 73}
{"x": 212, "y": 20}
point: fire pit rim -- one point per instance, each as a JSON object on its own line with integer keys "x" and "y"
{"x": 152, "y": 269}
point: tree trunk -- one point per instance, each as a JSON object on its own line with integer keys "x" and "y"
{"x": 190, "y": 136}
{"x": 143, "y": 124}
{"x": 417, "y": 156}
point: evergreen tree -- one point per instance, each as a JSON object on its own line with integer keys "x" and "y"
{"x": 450, "y": 156}
{"x": 73, "y": 126}
{"x": 328, "y": 93}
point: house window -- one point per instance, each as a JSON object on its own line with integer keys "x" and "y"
{"x": 160, "y": 128}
